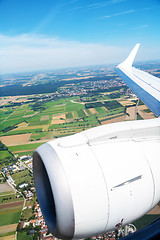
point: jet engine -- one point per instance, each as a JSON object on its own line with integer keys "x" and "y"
{"x": 99, "y": 179}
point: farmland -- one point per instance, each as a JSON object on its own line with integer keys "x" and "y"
{"x": 24, "y": 127}
{"x": 77, "y": 102}
{"x": 10, "y": 209}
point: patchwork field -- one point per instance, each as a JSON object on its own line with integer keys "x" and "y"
{"x": 145, "y": 113}
{"x": 25, "y": 147}
{"x": 10, "y": 210}
{"x": 10, "y": 216}
{"x": 23, "y": 125}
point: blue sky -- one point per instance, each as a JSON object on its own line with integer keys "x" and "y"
{"x": 50, "y": 34}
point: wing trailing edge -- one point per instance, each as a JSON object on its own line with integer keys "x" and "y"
{"x": 144, "y": 85}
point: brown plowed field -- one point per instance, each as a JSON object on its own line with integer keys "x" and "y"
{"x": 143, "y": 114}
{"x": 15, "y": 139}
{"x": 155, "y": 210}
{"x": 10, "y": 205}
{"x": 4, "y": 187}
{"x": 113, "y": 120}
{"x": 23, "y": 151}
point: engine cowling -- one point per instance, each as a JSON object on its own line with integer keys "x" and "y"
{"x": 99, "y": 179}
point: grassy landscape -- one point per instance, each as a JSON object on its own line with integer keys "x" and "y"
{"x": 27, "y": 122}
{"x": 52, "y": 119}
{"x": 32, "y": 124}
{"x": 5, "y": 154}
{"x": 9, "y": 197}
{"x": 24, "y": 147}
{"x": 22, "y": 177}
{"x": 10, "y": 210}
{"x": 145, "y": 220}
{"x": 10, "y": 216}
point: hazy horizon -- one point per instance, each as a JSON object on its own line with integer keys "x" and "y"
{"x": 64, "y": 34}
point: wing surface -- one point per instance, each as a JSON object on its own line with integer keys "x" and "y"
{"x": 144, "y": 85}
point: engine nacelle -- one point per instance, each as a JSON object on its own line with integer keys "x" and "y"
{"x": 99, "y": 179}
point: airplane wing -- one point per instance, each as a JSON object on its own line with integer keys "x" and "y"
{"x": 144, "y": 85}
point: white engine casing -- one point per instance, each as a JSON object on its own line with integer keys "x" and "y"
{"x": 96, "y": 180}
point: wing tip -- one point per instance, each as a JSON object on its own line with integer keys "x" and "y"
{"x": 127, "y": 63}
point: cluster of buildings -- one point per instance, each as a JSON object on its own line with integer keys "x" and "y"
{"x": 11, "y": 167}
{"x": 82, "y": 87}
{"x": 88, "y": 86}
{"x": 38, "y": 221}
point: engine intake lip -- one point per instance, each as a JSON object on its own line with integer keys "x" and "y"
{"x": 53, "y": 192}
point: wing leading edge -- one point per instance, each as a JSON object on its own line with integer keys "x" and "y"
{"x": 144, "y": 85}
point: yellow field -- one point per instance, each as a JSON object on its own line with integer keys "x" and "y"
{"x": 5, "y": 100}
{"x": 143, "y": 114}
{"x": 29, "y": 127}
{"x": 8, "y": 228}
{"x": 131, "y": 112}
{"x": 15, "y": 139}
{"x": 93, "y": 110}
{"x": 113, "y": 120}
{"x": 126, "y": 103}
{"x": 11, "y": 237}
{"x": 59, "y": 116}
{"x": 85, "y": 112}
{"x": 57, "y": 121}
{"x": 22, "y": 125}
{"x": 73, "y": 115}
{"x": 45, "y": 128}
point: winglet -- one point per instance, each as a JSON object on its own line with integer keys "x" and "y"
{"x": 144, "y": 85}
{"x": 127, "y": 63}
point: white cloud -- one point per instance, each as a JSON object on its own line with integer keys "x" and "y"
{"x": 120, "y": 13}
{"x": 141, "y": 26}
{"x": 37, "y": 52}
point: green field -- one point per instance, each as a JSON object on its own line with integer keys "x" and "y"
{"x": 145, "y": 220}
{"x": 10, "y": 214}
{"x": 15, "y": 132}
{"x": 69, "y": 115}
{"x": 6, "y": 234}
{"x": 24, "y": 147}
{"x": 13, "y": 116}
{"x": 20, "y": 154}
{"x": 5, "y": 154}
{"x": 21, "y": 177}
{"x": 81, "y": 113}
{"x": 7, "y": 198}
{"x": 9, "y": 217}
{"x": 101, "y": 110}
{"x": 36, "y": 118}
